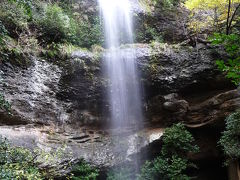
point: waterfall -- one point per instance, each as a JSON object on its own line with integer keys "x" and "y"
{"x": 120, "y": 65}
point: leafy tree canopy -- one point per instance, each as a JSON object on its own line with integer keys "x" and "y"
{"x": 231, "y": 44}
{"x": 219, "y": 12}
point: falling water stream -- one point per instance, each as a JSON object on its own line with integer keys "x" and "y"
{"x": 120, "y": 68}
{"x": 120, "y": 64}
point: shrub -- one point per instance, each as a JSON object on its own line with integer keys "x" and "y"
{"x": 168, "y": 3}
{"x": 83, "y": 171}
{"x": 55, "y": 162}
{"x": 171, "y": 3}
{"x": 3, "y": 33}
{"x": 55, "y": 25}
{"x": 172, "y": 162}
{"x": 148, "y": 33}
{"x": 120, "y": 173}
{"x": 230, "y": 140}
{"x": 50, "y": 23}
{"x": 165, "y": 168}
{"x": 14, "y": 18}
{"x": 17, "y": 163}
{"x": 53, "y": 52}
{"x": 178, "y": 141}
{"x": 21, "y": 163}
{"x": 14, "y": 53}
{"x": 4, "y": 104}
{"x": 26, "y": 4}
{"x": 88, "y": 33}
{"x": 15, "y": 39}
{"x": 59, "y": 26}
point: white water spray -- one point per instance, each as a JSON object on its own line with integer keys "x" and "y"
{"x": 124, "y": 89}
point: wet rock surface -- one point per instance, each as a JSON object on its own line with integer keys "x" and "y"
{"x": 32, "y": 93}
{"x": 90, "y": 7}
{"x": 76, "y": 93}
{"x": 173, "y": 68}
{"x": 96, "y": 147}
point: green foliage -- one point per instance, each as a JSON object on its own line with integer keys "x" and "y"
{"x": 53, "y": 52}
{"x": 3, "y": 33}
{"x": 119, "y": 174}
{"x": 147, "y": 34}
{"x": 177, "y": 141}
{"x": 88, "y": 33}
{"x": 231, "y": 44}
{"x": 168, "y": 3}
{"x": 83, "y": 171}
{"x": 171, "y": 3}
{"x": 55, "y": 25}
{"x": 22, "y": 164}
{"x": 230, "y": 140}
{"x": 17, "y": 163}
{"x": 172, "y": 162}
{"x": 165, "y": 168}
{"x": 16, "y": 43}
{"x": 4, "y": 104}
{"x": 39, "y": 27}
{"x": 14, "y": 18}
{"x": 51, "y": 161}
{"x": 16, "y": 54}
{"x": 58, "y": 26}
{"x": 26, "y": 4}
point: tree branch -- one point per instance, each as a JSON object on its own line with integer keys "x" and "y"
{"x": 232, "y": 18}
{"x": 228, "y": 17}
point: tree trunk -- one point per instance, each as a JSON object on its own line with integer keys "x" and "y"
{"x": 233, "y": 171}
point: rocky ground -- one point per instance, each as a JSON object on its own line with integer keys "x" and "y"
{"x": 95, "y": 146}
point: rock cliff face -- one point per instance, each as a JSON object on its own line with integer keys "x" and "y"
{"x": 76, "y": 93}
{"x": 32, "y": 93}
{"x": 169, "y": 69}
{"x": 194, "y": 111}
